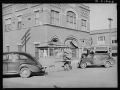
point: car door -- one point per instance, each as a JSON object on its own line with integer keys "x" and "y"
{"x": 5, "y": 63}
{"x": 13, "y": 63}
{"x": 97, "y": 60}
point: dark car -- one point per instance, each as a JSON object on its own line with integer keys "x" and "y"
{"x": 20, "y": 63}
{"x": 97, "y": 59}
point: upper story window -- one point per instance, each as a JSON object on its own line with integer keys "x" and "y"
{"x": 8, "y": 48}
{"x": 71, "y": 19}
{"x": 37, "y": 14}
{"x": 19, "y": 25}
{"x": 101, "y": 40}
{"x": 84, "y": 24}
{"x": 8, "y": 25}
{"x": 19, "y": 47}
{"x": 114, "y": 39}
{"x": 54, "y": 17}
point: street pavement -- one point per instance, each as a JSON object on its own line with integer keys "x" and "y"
{"x": 91, "y": 77}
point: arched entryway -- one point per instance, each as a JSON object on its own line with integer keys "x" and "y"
{"x": 73, "y": 42}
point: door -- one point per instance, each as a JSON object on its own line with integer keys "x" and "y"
{"x": 97, "y": 60}
{"x": 13, "y": 63}
{"x": 5, "y": 61}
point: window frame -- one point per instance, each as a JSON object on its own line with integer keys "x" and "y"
{"x": 71, "y": 19}
{"x": 84, "y": 24}
{"x": 100, "y": 41}
{"x": 113, "y": 40}
{"x": 54, "y": 19}
{"x": 37, "y": 19}
{"x": 8, "y": 48}
{"x": 19, "y": 23}
{"x": 8, "y": 24}
{"x": 19, "y": 47}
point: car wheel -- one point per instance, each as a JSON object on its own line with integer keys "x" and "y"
{"x": 107, "y": 64}
{"x": 25, "y": 72}
{"x": 83, "y": 65}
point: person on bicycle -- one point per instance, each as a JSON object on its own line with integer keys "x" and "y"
{"x": 67, "y": 59}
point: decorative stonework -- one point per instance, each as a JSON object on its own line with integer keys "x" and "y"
{"x": 19, "y": 7}
{"x": 33, "y": 5}
{"x": 85, "y": 13}
{"x": 7, "y": 10}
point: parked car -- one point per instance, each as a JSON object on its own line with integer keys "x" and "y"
{"x": 20, "y": 63}
{"x": 97, "y": 59}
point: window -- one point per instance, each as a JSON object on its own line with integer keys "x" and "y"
{"x": 36, "y": 51}
{"x": 84, "y": 24}
{"x": 101, "y": 40}
{"x": 114, "y": 39}
{"x": 19, "y": 47}
{"x": 54, "y": 17}
{"x": 71, "y": 19}
{"x": 8, "y": 25}
{"x": 51, "y": 52}
{"x": 37, "y": 17}
{"x": 8, "y": 48}
{"x": 23, "y": 57}
{"x": 19, "y": 21}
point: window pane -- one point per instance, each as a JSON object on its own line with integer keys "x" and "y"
{"x": 75, "y": 20}
{"x": 51, "y": 52}
{"x": 8, "y": 48}
{"x": 67, "y": 18}
{"x": 52, "y": 13}
{"x": 23, "y": 57}
{"x": 71, "y": 19}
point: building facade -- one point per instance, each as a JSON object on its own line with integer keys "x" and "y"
{"x": 101, "y": 40}
{"x": 26, "y": 26}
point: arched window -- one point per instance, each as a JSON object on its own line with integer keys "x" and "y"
{"x": 71, "y": 19}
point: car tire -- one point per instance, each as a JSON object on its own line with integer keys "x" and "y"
{"x": 83, "y": 65}
{"x": 107, "y": 64}
{"x": 25, "y": 72}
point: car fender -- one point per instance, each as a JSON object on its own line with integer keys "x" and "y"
{"x": 32, "y": 68}
{"x": 103, "y": 61}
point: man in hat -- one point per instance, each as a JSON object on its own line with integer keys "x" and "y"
{"x": 67, "y": 59}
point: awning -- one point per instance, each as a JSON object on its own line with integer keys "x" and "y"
{"x": 52, "y": 45}
{"x": 114, "y": 51}
{"x": 101, "y": 49}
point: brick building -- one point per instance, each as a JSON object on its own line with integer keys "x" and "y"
{"x": 61, "y": 23}
{"x": 101, "y": 40}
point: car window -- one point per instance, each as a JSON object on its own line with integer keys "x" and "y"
{"x": 23, "y": 57}
{"x": 15, "y": 56}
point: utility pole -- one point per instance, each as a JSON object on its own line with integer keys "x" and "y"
{"x": 25, "y": 39}
{"x": 110, "y": 33}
